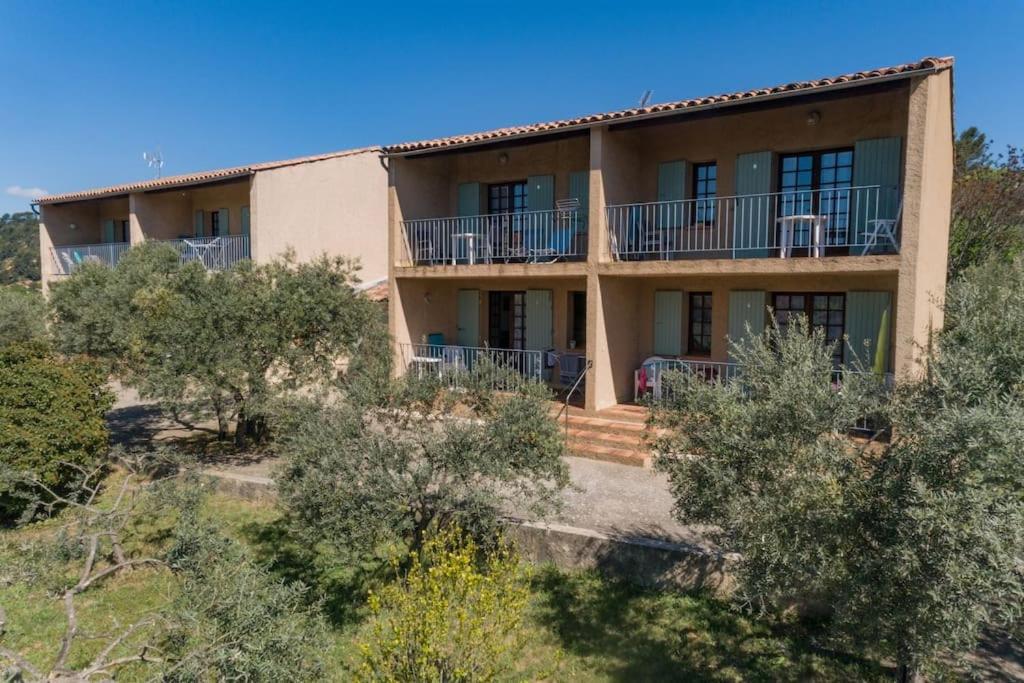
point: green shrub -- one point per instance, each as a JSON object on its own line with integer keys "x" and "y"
{"x": 449, "y": 618}
{"x": 22, "y": 315}
{"x": 51, "y": 420}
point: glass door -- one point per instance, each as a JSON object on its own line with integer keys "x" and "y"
{"x": 816, "y": 185}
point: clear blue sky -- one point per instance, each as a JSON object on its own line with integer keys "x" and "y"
{"x": 89, "y": 86}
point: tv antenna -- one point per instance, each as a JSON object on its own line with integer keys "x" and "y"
{"x": 155, "y": 160}
{"x": 645, "y": 98}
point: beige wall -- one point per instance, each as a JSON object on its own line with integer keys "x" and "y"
{"x": 926, "y": 213}
{"x": 337, "y": 206}
{"x": 161, "y": 215}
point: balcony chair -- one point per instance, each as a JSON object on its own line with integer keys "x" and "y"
{"x": 881, "y": 229}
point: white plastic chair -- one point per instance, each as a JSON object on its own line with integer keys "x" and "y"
{"x": 879, "y": 229}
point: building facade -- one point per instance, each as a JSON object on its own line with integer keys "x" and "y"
{"x": 331, "y": 203}
{"x": 586, "y": 251}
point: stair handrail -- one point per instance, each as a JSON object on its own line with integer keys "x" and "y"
{"x": 564, "y": 410}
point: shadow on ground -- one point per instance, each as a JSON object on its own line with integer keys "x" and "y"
{"x": 135, "y": 425}
{"x": 642, "y": 635}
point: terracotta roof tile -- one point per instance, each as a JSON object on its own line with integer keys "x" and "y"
{"x": 928, "y": 64}
{"x": 195, "y": 178}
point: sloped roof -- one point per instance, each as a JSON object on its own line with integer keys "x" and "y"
{"x": 195, "y": 178}
{"x": 922, "y": 66}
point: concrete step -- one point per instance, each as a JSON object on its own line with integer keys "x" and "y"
{"x": 623, "y": 456}
{"x": 601, "y": 424}
{"x": 627, "y": 413}
{"x": 605, "y": 438}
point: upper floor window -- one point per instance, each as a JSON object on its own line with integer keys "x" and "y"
{"x": 507, "y": 197}
{"x": 705, "y": 187}
{"x": 214, "y": 222}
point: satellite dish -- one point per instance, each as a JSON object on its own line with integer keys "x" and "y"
{"x": 645, "y": 98}
{"x": 155, "y": 160}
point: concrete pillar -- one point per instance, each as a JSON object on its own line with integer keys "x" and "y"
{"x": 135, "y": 232}
{"x": 924, "y": 238}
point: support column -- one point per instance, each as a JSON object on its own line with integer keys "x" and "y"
{"x": 924, "y": 238}
{"x": 135, "y": 208}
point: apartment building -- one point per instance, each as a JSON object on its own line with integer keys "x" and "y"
{"x": 329, "y": 203}
{"x": 587, "y": 251}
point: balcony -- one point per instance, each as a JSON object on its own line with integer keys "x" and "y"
{"x": 214, "y": 253}
{"x": 456, "y": 366}
{"x": 525, "y": 237}
{"x": 848, "y": 221}
{"x": 68, "y": 258}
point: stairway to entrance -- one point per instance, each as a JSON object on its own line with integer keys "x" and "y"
{"x": 619, "y": 434}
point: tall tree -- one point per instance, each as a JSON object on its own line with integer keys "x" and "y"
{"x": 988, "y": 204}
{"x": 220, "y": 344}
{"x": 915, "y": 540}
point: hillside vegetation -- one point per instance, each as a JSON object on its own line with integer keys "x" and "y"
{"x": 19, "y": 247}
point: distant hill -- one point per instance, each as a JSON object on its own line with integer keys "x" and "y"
{"x": 19, "y": 247}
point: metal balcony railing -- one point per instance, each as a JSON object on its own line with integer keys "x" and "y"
{"x": 526, "y": 237}
{"x": 214, "y": 253}
{"x": 456, "y": 366}
{"x": 827, "y": 222}
{"x": 649, "y": 380}
{"x": 68, "y": 258}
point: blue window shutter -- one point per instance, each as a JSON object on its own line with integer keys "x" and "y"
{"x": 468, "y": 326}
{"x": 223, "y": 222}
{"x": 668, "y": 323}
{"x": 200, "y": 223}
{"x": 108, "y": 231}
{"x": 539, "y": 320}
{"x": 245, "y": 220}
{"x": 753, "y": 228}
{"x": 540, "y": 193}
{"x": 876, "y": 162}
{"x": 864, "y": 313}
{"x": 579, "y": 188}
{"x": 469, "y": 199}
{"x": 671, "y": 181}
{"x": 746, "y": 309}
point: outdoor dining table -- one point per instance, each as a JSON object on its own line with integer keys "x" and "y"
{"x": 787, "y": 230}
{"x": 470, "y": 239}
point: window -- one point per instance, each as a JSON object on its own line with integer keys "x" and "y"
{"x": 214, "y": 223}
{"x": 577, "y": 319}
{"x": 705, "y": 187}
{"x": 506, "y": 320}
{"x": 507, "y": 197}
{"x": 825, "y": 312}
{"x": 126, "y": 232}
{"x": 817, "y": 183}
{"x": 699, "y": 341}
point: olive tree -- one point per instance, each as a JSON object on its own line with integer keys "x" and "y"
{"x": 23, "y": 315}
{"x": 222, "y": 343}
{"x": 365, "y": 480}
{"x": 915, "y": 540}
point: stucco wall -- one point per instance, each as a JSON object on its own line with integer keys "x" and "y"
{"x": 783, "y": 129}
{"x": 162, "y": 215}
{"x": 337, "y": 206}
{"x": 926, "y": 213}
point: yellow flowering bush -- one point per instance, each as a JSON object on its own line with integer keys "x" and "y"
{"x": 454, "y": 616}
